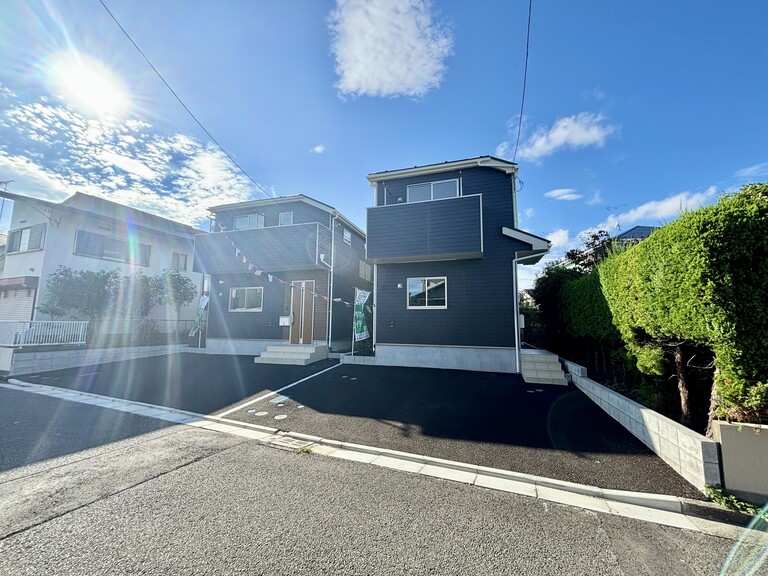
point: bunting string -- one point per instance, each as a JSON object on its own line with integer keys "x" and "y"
{"x": 272, "y": 278}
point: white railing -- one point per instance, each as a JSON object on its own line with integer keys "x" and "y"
{"x": 42, "y": 333}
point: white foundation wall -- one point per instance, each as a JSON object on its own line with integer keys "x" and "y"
{"x": 449, "y": 357}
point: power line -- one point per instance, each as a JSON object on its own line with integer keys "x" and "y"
{"x": 259, "y": 187}
{"x": 525, "y": 81}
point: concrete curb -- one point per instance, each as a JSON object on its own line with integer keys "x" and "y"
{"x": 663, "y": 509}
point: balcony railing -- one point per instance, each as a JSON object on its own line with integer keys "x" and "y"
{"x": 447, "y": 229}
{"x": 43, "y": 333}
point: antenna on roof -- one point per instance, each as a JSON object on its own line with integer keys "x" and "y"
{"x": 4, "y": 184}
{"x": 612, "y": 209}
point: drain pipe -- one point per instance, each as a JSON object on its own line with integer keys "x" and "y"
{"x": 515, "y": 262}
{"x": 330, "y": 288}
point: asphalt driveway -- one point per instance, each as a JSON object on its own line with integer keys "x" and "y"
{"x": 494, "y": 420}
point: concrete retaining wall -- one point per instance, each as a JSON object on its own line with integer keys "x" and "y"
{"x": 449, "y": 357}
{"x": 26, "y": 361}
{"x": 695, "y": 457}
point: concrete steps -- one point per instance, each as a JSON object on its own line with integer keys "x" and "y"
{"x": 294, "y": 354}
{"x": 541, "y": 367}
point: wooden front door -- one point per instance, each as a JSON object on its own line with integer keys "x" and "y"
{"x": 302, "y": 311}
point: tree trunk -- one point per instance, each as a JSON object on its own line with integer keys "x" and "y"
{"x": 682, "y": 385}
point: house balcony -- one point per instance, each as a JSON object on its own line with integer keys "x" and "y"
{"x": 448, "y": 229}
{"x": 272, "y": 249}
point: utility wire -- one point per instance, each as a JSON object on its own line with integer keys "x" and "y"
{"x": 525, "y": 81}
{"x": 259, "y": 187}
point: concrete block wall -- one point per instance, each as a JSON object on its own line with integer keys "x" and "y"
{"x": 695, "y": 457}
{"x": 28, "y": 361}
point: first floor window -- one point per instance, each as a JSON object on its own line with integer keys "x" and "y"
{"x": 428, "y": 292}
{"x": 246, "y": 299}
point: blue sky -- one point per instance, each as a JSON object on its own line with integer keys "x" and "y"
{"x": 633, "y": 111}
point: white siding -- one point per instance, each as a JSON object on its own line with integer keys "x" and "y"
{"x": 16, "y": 305}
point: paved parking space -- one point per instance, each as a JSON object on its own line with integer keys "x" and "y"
{"x": 201, "y": 383}
{"x": 494, "y": 420}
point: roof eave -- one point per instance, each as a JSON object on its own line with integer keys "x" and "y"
{"x": 480, "y": 161}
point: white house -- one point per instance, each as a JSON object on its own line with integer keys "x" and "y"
{"x": 86, "y": 233}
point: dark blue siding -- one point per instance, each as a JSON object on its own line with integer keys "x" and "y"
{"x": 423, "y": 231}
{"x": 271, "y": 249}
{"x": 480, "y": 295}
{"x": 303, "y": 213}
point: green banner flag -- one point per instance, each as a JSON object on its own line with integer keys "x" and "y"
{"x": 361, "y": 329}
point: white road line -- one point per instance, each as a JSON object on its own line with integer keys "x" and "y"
{"x": 260, "y": 398}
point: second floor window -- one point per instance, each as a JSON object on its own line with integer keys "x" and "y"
{"x": 433, "y": 190}
{"x": 285, "y": 219}
{"x": 248, "y": 221}
{"x": 347, "y": 236}
{"x": 108, "y": 248}
{"x": 179, "y": 262}
{"x": 26, "y": 239}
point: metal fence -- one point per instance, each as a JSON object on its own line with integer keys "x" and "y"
{"x": 43, "y": 333}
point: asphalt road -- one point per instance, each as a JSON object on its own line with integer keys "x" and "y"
{"x": 197, "y": 382}
{"x": 189, "y": 501}
{"x": 68, "y": 428}
{"x": 494, "y": 420}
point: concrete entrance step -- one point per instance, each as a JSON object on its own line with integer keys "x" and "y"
{"x": 293, "y": 354}
{"x": 541, "y": 367}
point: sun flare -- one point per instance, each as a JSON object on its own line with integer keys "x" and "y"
{"x": 87, "y": 85}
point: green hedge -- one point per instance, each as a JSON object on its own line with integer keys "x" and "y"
{"x": 702, "y": 279}
{"x": 585, "y": 313}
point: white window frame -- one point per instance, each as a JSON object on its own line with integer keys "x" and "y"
{"x": 432, "y": 190}
{"x": 346, "y": 236}
{"x": 178, "y": 257}
{"x": 280, "y": 218}
{"x": 25, "y": 234}
{"x": 245, "y": 299}
{"x": 258, "y": 216}
{"x": 426, "y": 306}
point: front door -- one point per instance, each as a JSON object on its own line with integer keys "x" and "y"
{"x": 302, "y": 311}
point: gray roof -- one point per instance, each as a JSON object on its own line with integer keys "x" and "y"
{"x": 636, "y": 233}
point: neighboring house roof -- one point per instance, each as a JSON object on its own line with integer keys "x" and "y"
{"x": 85, "y": 203}
{"x": 256, "y": 204}
{"x": 635, "y": 234}
{"x": 479, "y": 161}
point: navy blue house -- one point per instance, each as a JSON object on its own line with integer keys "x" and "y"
{"x": 281, "y": 270}
{"x": 445, "y": 246}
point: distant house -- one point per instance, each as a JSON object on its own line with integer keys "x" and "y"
{"x": 86, "y": 233}
{"x": 445, "y": 245}
{"x": 634, "y": 234}
{"x": 283, "y": 271}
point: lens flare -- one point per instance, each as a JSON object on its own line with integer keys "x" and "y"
{"x": 87, "y": 85}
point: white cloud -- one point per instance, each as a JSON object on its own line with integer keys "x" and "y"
{"x": 563, "y": 194}
{"x": 319, "y": 149}
{"x": 128, "y": 164}
{"x": 529, "y": 212}
{"x": 559, "y": 238}
{"x": 51, "y": 152}
{"x": 655, "y": 211}
{"x": 388, "y": 47}
{"x": 577, "y": 131}
{"x": 753, "y": 171}
{"x": 597, "y": 198}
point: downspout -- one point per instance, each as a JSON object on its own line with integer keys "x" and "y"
{"x": 330, "y": 289}
{"x": 515, "y": 262}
